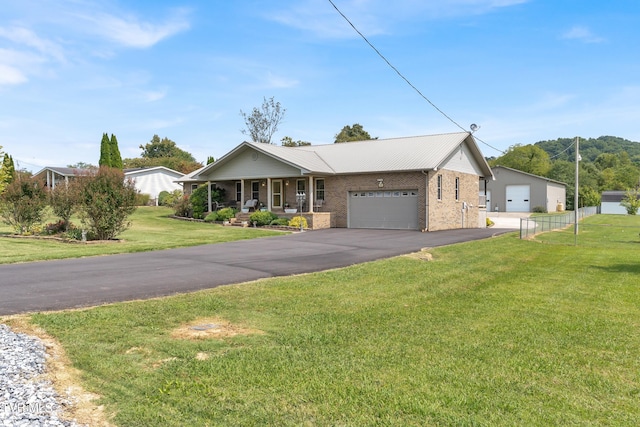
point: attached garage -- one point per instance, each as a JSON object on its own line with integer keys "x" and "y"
{"x": 396, "y": 209}
{"x": 518, "y": 197}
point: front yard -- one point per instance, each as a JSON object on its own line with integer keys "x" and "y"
{"x": 151, "y": 229}
{"x": 499, "y": 332}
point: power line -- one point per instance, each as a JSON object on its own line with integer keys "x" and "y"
{"x": 404, "y": 78}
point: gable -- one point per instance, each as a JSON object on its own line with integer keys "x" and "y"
{"x": 462, "y": 160}
{"x": 249, "y": 163}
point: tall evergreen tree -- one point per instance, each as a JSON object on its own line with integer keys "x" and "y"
{"x": 9, "y": 169}
{"x": 105, "y": 151}
{"x": 116, "y": 158}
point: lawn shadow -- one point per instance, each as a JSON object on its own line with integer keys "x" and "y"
{"x": 621, "y": 268}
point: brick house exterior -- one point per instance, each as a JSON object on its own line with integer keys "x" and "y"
{"x": 426, "y": 183}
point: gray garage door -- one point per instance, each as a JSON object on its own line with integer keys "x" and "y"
{"x": 518, "y": 198}
{"x": 384, "y": 209}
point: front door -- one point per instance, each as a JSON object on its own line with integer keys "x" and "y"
{"x": 276, "y": 193}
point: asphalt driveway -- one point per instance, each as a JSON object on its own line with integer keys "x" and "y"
{"x": 55, "y": 285}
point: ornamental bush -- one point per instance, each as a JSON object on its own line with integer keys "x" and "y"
{"x": 106, "y": 201}
{"x": 280, "y": 221}
{"x": 296, "y": 220}
{"x": 22, "y": 204}
{"x": 262, "y": 218}
{"x": 225, "y": 214}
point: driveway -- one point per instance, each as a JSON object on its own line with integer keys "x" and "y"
{"x": 63, "y": 284}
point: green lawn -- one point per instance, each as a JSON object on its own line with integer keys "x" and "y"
{"x": 500, "y": 332}
{"x": 151, "y": 229}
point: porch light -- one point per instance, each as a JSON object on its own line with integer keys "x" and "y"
{"x": 380, "y": 182}
{"x": 264, "y": 183}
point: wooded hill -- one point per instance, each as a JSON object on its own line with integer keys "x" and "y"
{"x": 591, "y": 148}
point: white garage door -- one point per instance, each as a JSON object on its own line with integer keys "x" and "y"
{"x": 384, "y": 209}
{"x": 518, "y": 198}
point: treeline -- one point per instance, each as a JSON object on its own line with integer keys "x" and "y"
{"x": 607, "y": 163}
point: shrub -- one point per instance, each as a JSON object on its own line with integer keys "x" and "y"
{"x": 107, "y": 200}
{"x": 539, "y": 209}
{"x": 198, "y": 201}
{"x": 169, "y": 199}
{"x": 22, "y": 204}
{"x": 297, "y": 220}
{"x": 142, "y": 199}
{"x": 213, "y": 216}
{"x": 280, "y": 221}
{"x": 182, "y": 207}
{"x": 631, "y": 201}
{"x": 262, "y": 218}
{"x": 162, "y": 197}
{"x": 63, "y": 200}
{"x": 225, "y": 214}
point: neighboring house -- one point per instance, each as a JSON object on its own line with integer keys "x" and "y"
{"x": 418, "y": 183}
{"x": 53, "y": 176}
{"x": 517, "y": 191}
{"x": 610, "y": 202}
{"x": 154, "y": 180}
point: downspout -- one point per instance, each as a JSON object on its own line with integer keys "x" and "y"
{"x": 426, "y": 201}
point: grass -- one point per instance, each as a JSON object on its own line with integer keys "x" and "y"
{"x": 151, "y": 229}
{"x": 499, "y": 332}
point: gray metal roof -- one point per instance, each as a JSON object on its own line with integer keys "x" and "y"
{"x": 415, "y": 153}
{"x": 59, "y": 171}
{"x": 427, "y": 152}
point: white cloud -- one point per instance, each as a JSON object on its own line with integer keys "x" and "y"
{"x": 278, "y": 82}
{"x": 583, "y": 34}
{"x": 129, "y": 31}
{"x": 26, "y": 37}
{"x": 373, "y": 17}
{"x": 11, "y": 76}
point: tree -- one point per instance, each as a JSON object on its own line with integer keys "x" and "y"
{"x": 8, "y": 170}
{"x": 526, "y": 158}
{"x": 105, "y": 151}
{"x": 163, "y": 152}
{"x": 353, "y": 133}
{"x": 106, "y": 200}
{"x": 116, "y": 158}
{"x": 631, "y": 201}
{"x": 22, "y": 203}
{"x": 82, "y": 165}
{"x": 263, "y": 123}
{"x": 287, "y": 141}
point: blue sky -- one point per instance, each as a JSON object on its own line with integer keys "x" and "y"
{"x": 524, "y": 70}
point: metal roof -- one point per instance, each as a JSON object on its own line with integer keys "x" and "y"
{"x": 416, "y": 153}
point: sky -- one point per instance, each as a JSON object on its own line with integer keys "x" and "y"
{"x": 522, "y": 70}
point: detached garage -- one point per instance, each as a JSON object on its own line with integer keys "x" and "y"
{"x": 517, "y": 191}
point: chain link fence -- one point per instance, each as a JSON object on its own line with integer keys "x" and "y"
{"x": 531, "y": 226}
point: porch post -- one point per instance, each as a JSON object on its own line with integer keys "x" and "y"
{"x": 269, "y": 194}
{"x": 311, "y": 196}
{"x": 241, "y": 192}
{"x": 208, "y": 196}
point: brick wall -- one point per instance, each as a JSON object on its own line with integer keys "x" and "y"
{"x": 448, "y": 213}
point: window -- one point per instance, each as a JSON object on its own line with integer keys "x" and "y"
{"x": 193, "y": 187}
{"x": 439, "y": 187}
{"x": 255, "y": 190}
{"x": 457, "y": 188}
{"x": 319, "y": 189}
{"x": 301, "y": 186}
{"x": 238, "y": 191}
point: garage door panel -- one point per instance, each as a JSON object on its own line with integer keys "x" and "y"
{"x": 518, "y": 198}
{"x": 384, "y": 209}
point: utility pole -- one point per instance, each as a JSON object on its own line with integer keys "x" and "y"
{"x": 575, "y": 199}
